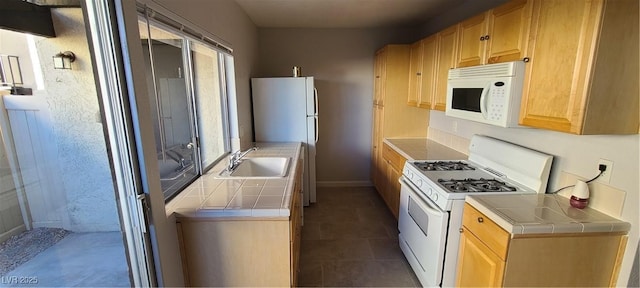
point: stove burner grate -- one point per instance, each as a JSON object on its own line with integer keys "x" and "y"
{"x": 475, "y": 185}
{"x": 444, "y": 166}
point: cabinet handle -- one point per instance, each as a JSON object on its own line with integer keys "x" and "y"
{"x": 482, "y": 38}
{"x": 486, "y": 37}
{"x": 461, "y": 230}
{"x": 526, "y": 59}
{"x": 418, "y": 73}
{"x": 480, "y": 220}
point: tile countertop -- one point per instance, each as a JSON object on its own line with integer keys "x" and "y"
{"x": 240, "y": 198}
{"x": 542, "y": 214}
{"x": 423, "y": 149}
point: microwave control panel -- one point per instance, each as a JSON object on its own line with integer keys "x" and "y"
{"x": 496, "y": 104}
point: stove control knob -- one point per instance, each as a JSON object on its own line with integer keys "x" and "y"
{"x": 435, "y": 197}
{"x": 419, "y": 182}
{"x": 429, "y": 192}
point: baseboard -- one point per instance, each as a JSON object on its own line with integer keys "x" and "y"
{"x": 344, "y": 184}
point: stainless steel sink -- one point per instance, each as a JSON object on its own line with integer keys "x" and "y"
{"x": 259, "y": 167}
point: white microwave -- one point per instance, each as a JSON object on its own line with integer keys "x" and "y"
{"x": 488, "y": 93}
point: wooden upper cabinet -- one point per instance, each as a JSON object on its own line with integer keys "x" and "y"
{"x": 471, "y": 43}
{"x": 429, "y": 60}
{"x": 446, "y": 60}
{"x": 508, "y": 27}
{"x": 423, "y": 95}
{"x": 582, "y": 77}
{"x": 415, "y": 74}
{"x": 499, "y": 35}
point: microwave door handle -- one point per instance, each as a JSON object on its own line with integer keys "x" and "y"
{"x": 483, "y": 101}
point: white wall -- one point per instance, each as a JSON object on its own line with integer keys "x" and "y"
{"x": 576, "y": 154}
{"x": 73, "y": 102}
{"x": 226, "y": 20}
{"x": 341, "y": 61}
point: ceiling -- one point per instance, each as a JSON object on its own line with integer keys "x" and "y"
{"x": 343, "y": 13}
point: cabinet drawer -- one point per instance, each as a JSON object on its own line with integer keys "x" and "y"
{"x": 486, "y": 230}
{"x": 396, "y": 160}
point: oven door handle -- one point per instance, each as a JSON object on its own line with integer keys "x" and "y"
{"x": 424, "y": 203}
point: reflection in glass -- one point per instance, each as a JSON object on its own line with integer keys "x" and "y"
{"x": 171, "y": 108}
{"x": 188, "y": 100}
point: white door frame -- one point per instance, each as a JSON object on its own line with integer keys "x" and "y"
{"x": 152, "y": 248}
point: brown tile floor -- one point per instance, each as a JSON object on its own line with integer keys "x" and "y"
{"x": 350, "y": 239}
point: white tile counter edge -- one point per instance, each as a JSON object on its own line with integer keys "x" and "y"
{"x": 428, "y": 143}
{"x": 495, "y": 217}
{"x": 400, "y": 151}
{"x": 545, "y": 228}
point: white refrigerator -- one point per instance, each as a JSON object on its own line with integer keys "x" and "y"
{"x": 285, "y": 109}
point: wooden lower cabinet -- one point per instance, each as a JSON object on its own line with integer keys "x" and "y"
{"x": 480, "y": 266}
{"x": 390, "y": 188}
{"x": 249, "y": 253}
{"x": 487, "y": 259}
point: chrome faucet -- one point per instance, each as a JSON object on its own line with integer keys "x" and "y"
{"x": 176, "y": 156}
{"x": 236, "y": 158}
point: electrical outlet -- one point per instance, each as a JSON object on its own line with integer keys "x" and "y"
{"x": 606, "y": 175}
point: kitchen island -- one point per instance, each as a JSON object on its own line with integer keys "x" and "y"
{"x": 237, "y": 231}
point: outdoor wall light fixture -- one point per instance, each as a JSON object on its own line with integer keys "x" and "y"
{"x": 63, "y": 60}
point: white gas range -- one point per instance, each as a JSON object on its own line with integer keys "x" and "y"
{"x": 432, "y": 200}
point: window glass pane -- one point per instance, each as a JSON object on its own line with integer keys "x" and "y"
{"x": 207, "y": 82}
{"x": 171, "y": 107}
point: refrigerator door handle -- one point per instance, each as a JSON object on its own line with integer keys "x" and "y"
{"x": 315, "y": 98}
{"x": 316, "y": 123}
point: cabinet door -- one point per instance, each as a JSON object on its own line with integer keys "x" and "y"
{"x": 471, "y": 41}
{"x": 395, "y": 163}
{"x": 295, "y": 229}
{"x": 478, "y": 266}
{"x": 391, "y": 194}
{"x": 508, "y": 32}
{"x": 377, "y": 172}
{"x": 393, "y": 190}
{"x": 379, "y": 74}
{"x": 429, "y": 59}
{"x": 446, "y": 61}
{"x": 555, "y": 84}
{"x": 415, "y": 74}
{"x": 378, "y": 77}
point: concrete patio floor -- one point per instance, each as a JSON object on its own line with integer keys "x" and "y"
{"x": 78, "y": 260}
